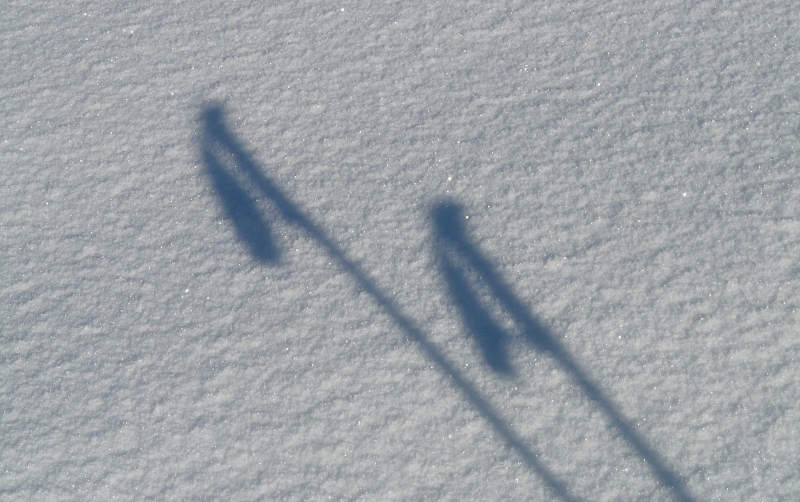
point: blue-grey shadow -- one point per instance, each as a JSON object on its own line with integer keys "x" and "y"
{"x": 251, "y": 227}
{"x": 462, "y": 264}
{"x": 216, "y": 137}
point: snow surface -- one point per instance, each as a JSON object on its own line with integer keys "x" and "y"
{"x": 382, "y": 250}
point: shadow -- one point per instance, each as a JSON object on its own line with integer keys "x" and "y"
{"x": 491, "y": 338}
{"x": 459, "y": 260}
{"x": 217, "y": 136}
{"x": 250, "y": 226}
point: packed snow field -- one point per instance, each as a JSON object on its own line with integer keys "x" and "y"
{"x": 383, "y": 251}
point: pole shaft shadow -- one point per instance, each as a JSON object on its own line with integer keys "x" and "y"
{"x": 452, "y": 243}
{"x": 216, "y": 134}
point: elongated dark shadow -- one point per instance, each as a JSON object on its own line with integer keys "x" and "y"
{"x": 457, "y": 257}
{"x": 216, "y": 135}
{"x": 251, "y": 228}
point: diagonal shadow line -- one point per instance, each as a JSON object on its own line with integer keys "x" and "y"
{"x": 451, "y": 239}
{"x": 215, "y": 133}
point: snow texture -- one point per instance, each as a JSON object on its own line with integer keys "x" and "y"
{"x": 400, "y": 251}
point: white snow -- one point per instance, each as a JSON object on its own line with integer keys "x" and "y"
{"x": 174, "y": 330}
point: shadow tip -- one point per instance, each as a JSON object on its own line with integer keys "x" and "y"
{"x": 266, "y": 255}
{"x": 448, "y": 218}
{"x": 212, "y": 113}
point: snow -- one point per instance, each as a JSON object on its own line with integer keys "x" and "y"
{"x": 393, "y": 251}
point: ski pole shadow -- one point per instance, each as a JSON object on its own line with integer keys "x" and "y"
{"x": 460, "y": 264}
{"x": 218, "y": 143}
{"x": 220, "y": 160}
